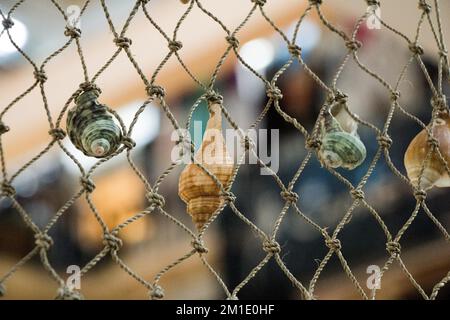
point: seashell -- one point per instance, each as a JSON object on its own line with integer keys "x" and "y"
{"x": 341, "y": 145}
{"x": 346, "y": 122}
{"x": 434, "y": 173}
{"x": 196, "y": 188}
{"x": 91, "y": 127}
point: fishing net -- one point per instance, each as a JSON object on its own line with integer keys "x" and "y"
{"x": 429, "y": 15}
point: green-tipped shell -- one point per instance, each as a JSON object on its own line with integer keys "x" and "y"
{"x": 92, "y": 128}
{"x": 342, "y": 149}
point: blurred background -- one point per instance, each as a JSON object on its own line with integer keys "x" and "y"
{"x": 153, "y": 242}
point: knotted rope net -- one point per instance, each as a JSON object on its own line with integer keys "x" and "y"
{"x": 430, "y": 15}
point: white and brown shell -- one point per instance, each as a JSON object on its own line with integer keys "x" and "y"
{"x": 196, "y": 188}
{"x": 435, "y": 173}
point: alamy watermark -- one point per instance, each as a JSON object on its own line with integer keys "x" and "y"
{"x": 374, "y": 280}
{"x": 73, "y": 282}
{"x": 73, "y": 16}
{"x": 237, "y": 143}
{"x": 373, "y": 20}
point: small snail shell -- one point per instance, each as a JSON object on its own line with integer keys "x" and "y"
{"x": 196, "y": 188}
{"x": 341, "y": 145}
{"x": 434, "y": 173}
{"x": 91, "y": 127}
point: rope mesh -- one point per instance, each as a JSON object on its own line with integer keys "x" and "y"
{"x": 430, "y": 15}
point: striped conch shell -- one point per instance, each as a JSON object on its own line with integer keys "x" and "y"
{"x": 91, "y": 127}
{"x": 435, "y": 173}
{"x": 196, "y": 188}
{"x": 341, "y": 145}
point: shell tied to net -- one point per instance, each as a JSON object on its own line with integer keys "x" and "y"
{"x": 92, "y": 128}
{"x": 340, "y": 143}
{"x": 434, "y": 172}
{"x": 197, "y": 189}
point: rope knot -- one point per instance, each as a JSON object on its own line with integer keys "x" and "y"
{"x": 420, "y": 195}
{"x": 183, "y": 140}
{"x": 43, "y": 241}
{"x": 433, "y": 143}
{"x": 156, "y": 91}
{"x": 260, "y": 3}
{"x": 357, "y": 194}
{"x": 185, "y": 144}
{"x": 423, "y": 5}
{"x": 7, "y": 23}
{"x": 333, "y": 244}
{"x": 90, "y": 86}
{"x": 88, "y": 184}
{"x": 372, "y": 3}
{"x": 3, "y": 128}
{"x": 353, "y": 45}
{"x": 72, "y": 32}
{"x": 395, "y": 95}
{"x": 394, "y": 248}
{"x": 416, "y": 49}
{"x": 233, "y": 41}
{"x": 157, "y": 292}
{"x": 439, "y": 102}
{"x": 156, "y": 199}
{"x": 65, "y": 293}
{"x": 199, "y": 246}
{"x": 274, "y": 93}
{"x": 339, "y": 97}
{"x": 175, "y": 45}
{"x": 443, "y": 53}
{"x": 40, "y": 76}
{"x": 248, "y": 143}
{"x": 128, "y": 143}
{"x": 112, "y": 242}
{"x": 384, "y": 141}
{"x": 315, "y": 2}
{"x": 7, "y": 189}
{"x": 213, "y": 97}
{"x": 228, "y": 197}
{"x": 294, "y": 50}
{"x": 313, "y": 143}
{"x": 271, "y": 247}
{"x": 57, "y": 133}
{"x": 123, "y": 42}
{"x": 289, "y": 196}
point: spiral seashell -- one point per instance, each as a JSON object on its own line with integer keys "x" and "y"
{"x": 341, "y": 145}
{"x": 434, "y": 172}
{"x": 196, "y": 188}
{"x": 91, "y": 127}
